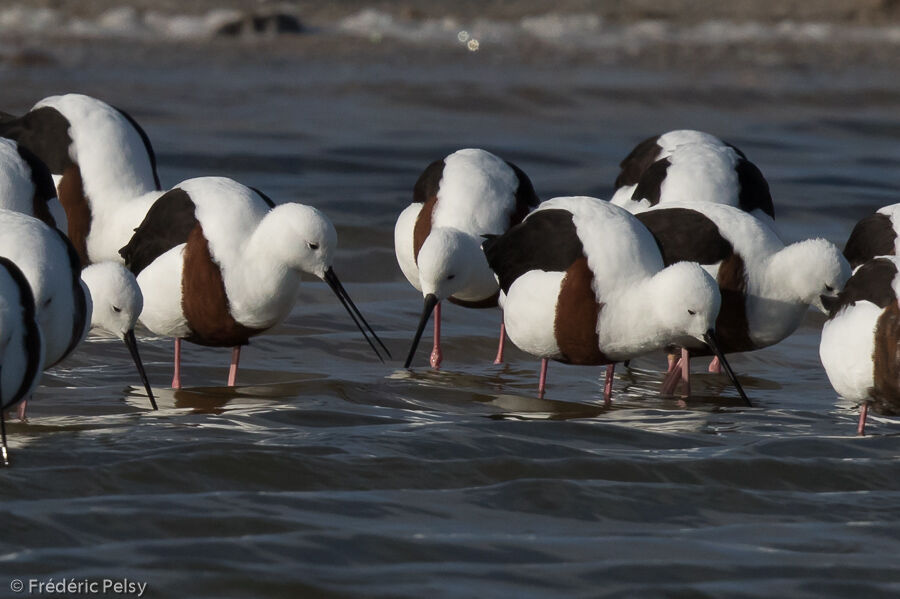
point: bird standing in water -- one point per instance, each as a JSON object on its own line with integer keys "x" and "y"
{"x": 767, "y": 286}
{"x": 583, "y": 282}
{"x": 69, "y": 301}
{"x": 438, "y": 237}
{"x": 218, "y": 263}
{"x": 860, "y": 345}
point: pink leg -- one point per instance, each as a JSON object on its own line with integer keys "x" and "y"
{"x": 176, "y": 379}
{"x": 686, "y": 372}
{"x": 863, "y": 412}
{"x": 436, "y": 355}
{"x": 715, "y": 366}
{"x": 672, "y": 379}
{"x": 542, "y": 383}
{"x": 20, "y": 410}
{"x": 672, "y": 360}
{"x": 232, "y": 371}
{"x": 499, "y": 358}
{"x": 607, "y": 388}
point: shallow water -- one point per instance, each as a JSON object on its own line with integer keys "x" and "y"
{"x": 326, "y": 472}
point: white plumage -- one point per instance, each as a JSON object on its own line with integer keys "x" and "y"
{"x": 17, "y": 185}
{"x": 66, "y": 305}
{"x": 610, "y": 280}
{"x": 469, "y": 194}
{"x": 260, "y": 252}
{"x": 782, "y": 281}
{"x": 689, "y": 166}
{"x": 476, "y": 197}
{"x": 860, "y": 344}
{"x": 116, "y": 171}
{"x": 846, "y": 347}
{"x": 628, "y": 278}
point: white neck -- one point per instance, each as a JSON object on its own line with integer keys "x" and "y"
{"x": 629, "y": 323}
{"x": 777, "y": 302}
{"x": 261, "y": 286}
{"x": 480, "y": 282}
{"x": 779, "y": 278}
{"x": 113, "y": 223}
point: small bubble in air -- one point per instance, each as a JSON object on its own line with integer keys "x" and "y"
{"x": 473, "y": 45}
{"x": 463, "y": 36}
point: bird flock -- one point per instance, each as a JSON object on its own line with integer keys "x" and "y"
{"x": 685, "y": 259}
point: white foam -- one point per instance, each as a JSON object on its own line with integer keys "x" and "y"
{"x": 121, "y": 23}
{"x": 590, "y": 31}
{"x": 581, "y": 31}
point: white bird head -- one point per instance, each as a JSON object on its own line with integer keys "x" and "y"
{"x": 116, "y": 302}
{"x": 307, "y": 241}
{"x": 691, "y": 306}
{"x": 691, "y": 303}
{"x": 815, "y": 268}
{"x": 447, "y": 261}
{"x": 116, "y": 298}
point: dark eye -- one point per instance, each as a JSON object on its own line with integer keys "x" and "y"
{"x": 117, "y": 309}
{"x": 691, "y": 312}
{"x": 312, "y": 246}
{"x": 829, "y": 288}
{"x": 451, "y": 277}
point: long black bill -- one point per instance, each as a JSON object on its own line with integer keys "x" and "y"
{"x": 710, "y": 338}
{"x": 131, "y": 342}
{"x": 354, "y": 312}
{"x": 431, "y": 301}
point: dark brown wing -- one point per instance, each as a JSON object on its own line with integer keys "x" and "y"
{"x": 168, "y": 223}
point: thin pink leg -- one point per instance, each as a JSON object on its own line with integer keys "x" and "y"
{"x": 232, "y": 371}
{"x": 672, "y": 379}
{"x": 672, "y": 360}
{"x": 607, "y": 388}
{"x": 499, "y": 358}
{"x": 20, "y": 411}
{"x": 715, "y": 366}
{"x": 542, "y": 383}
{"x": 686, "y": 372}
{"x": 436, "y": 355}
{"x": 176, "y": 378}
{"x": 863, "y": 412}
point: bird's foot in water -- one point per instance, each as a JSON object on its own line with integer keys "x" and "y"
{"x": 436, "y": 357}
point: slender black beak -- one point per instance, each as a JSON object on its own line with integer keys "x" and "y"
{"x": 710, "y": 338}
{"x": 830, "y": 303}
{"x": 354, "y": 312}
{"x": 431, "y": 301}
{"x": 131, "y": 343}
